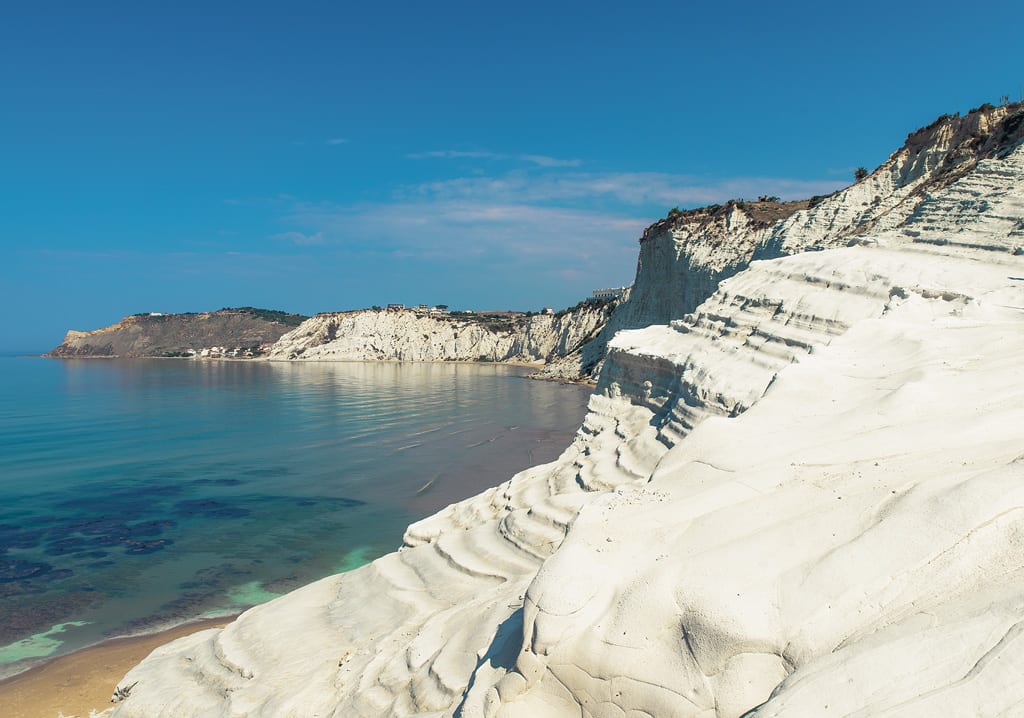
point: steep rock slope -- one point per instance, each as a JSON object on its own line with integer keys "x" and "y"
{"x": 802, "y": 498}
{"x": 149, "y": 335}
{"x": 684, "y": 256}
{"x": 417, "y": 336}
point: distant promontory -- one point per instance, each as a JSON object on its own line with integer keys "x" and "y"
{"x": 243, "y": 331}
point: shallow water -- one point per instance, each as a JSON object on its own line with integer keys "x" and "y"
{"x": 137, "y": 494}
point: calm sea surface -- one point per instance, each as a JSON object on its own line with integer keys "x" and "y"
{"x": 138, "y": 494}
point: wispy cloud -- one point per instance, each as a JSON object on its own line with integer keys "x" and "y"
{"x": 338, "y": 141}
{"x": 538, "y": 160}
{"x": 632, "y": 188}
{"x": 545, "y": 161}
{"x": 561, "y": 225}
{"x": 299, "y": 239}
{"x": 454, "y": 155}
{"x": 501, "y": 246}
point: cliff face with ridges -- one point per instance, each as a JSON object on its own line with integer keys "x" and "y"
{"x": 145, "y": 335}
{"x": 800, "y": 497}
{"x": 684, "y": 257}
{"x": 408, "y": 335}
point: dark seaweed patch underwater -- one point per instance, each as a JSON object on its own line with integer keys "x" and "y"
{"x": 138, "y": 494}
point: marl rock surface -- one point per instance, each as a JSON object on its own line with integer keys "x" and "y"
{"x": 409, "y": 335}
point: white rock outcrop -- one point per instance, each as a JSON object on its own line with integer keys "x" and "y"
{"x": 408, "y": 335}
{"x": 684, "y": 257}
{"x": 803, "y": 496}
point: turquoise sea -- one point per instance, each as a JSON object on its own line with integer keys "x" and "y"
{"x": 137, "y": 494}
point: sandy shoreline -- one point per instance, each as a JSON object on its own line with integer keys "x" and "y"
{"x": 83, "y": 681}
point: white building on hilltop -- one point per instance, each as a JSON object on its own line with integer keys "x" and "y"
{"x": 610, "y": 293}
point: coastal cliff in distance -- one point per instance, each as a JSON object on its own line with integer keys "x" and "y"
{"x": 359, "y": 335}
{"x": 416, "y": 335}
{"x": 800, "y": 495}
{"x": 158, "y": 335}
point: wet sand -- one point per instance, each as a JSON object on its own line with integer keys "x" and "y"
{"x": 83, "y": 681}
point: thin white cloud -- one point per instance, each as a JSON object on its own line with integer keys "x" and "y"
{"x": 545, "y": 161}
{"x": 460, "y": 228}
{"x": 337, "y": 141}
{"x": 538, "y": 160}
{"x": 455, "y": 155}
{"x": 299, "y": 239}
{"x": 632, "y": 188}
{"x": 550, "y": 224}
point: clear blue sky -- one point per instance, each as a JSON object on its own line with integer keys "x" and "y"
{"x": 313, "y": 156}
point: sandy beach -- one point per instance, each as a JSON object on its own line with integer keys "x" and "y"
{"x": 75, "y": 684}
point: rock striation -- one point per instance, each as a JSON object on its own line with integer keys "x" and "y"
{"x": 799, "y": 495}
{"x": 685, "y": 256}
{"x": 410, "y": 335}
{"x": 157, "y": 334}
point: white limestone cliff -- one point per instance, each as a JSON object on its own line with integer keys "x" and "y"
{"x": 418, "y": 336}
{"x": 800, "y": 496}
{"x": 684, "y": 256}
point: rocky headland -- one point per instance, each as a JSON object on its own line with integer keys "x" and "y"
{"x": 245, "y": 331}
{"x": 797, "y": 492}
